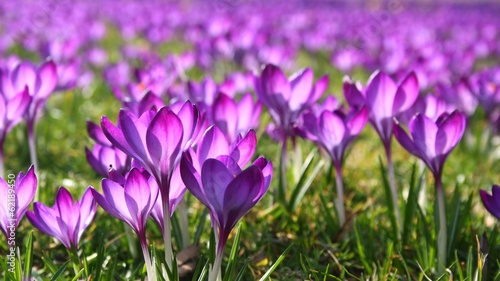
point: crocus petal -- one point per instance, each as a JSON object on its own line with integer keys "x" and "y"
{"x": 357, "y": 122}
{"x": 301, "y": 84}
{"x": 135, "y": 134}
{"x": 380, "y": 94}
{"x": 492, "y": 202}
{"x": 406, "y": 94}
{"x": 163, "y": 137}
{"x": 275, "y": 87}
{"x": 116, "y": 137}
{"x": 213, "y": 144}
{"x": 319, "y": 88}
{"x": 192, "y": 179}
{"x": 96, "y": 133}
{"x": 215, "y": 178}
{"x": 423, "y": 131}
{"x": 24, "y": 75}
{"x": 331, "y": 130}
{"x": 244, "y": 150}
{"x": 353, "y": 96}
{"x": 450, "y": 132}
{"x": 25, "y": 191}
{"x": 408, "y": 143}
{"x": 115, "y": 204}
{"x": 47, "y": 80}
{"x": 224, "y": 113}
{"x": 241, "y": 195}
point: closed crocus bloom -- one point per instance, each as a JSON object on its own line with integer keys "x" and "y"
{"x": 67, "y": 219}
{"x": 20, "y": 196}
{"x": 492, "y": 201}
{"x": 335, "y": 130}
{"x": 432, "y": 141}
{"x": 228, "y": 192}
{"x": 131, "y": 200}
{"x": 235, "y": 118}
{"x": 286, "y": 98}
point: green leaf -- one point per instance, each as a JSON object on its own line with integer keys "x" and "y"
{"x": 232, "y": 256}
{"x": 412, "y": 204}
{"x": 388, "y": 199}
{"x": 276, "y": 264}
{"x": 305, "y": 180}
{"x": 28, "y": 257}
{"x": 60, "y": 271}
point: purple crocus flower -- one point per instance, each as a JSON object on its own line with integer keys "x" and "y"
{"x": 432, "y": 142}
{"x": 385, "y": 100}
{"x": 155, "y": 141}
{"x": 67, "y": 219}
{"x": 11, "y": 113}
{"x": 492, "y": 202}
{"x": 40, "y": 83}
{"x": 132, "y": 204}
{"x": 104, "y": 155}
{"x": 20, "y": 195}
{"x": 285, "y": 98}
{"x": 235, "y": 118}
{"x": 334, "y": 131}
{"x": 228, "y": 192}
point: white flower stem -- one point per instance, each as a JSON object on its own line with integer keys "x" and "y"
{"x": 340, "y": 194}
{"x": 150, "y": 269}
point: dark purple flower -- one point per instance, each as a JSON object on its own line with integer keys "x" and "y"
{"x": 227, "y": 191}
{"x": 67, "y": 219}
{"x": 492, "y": 202}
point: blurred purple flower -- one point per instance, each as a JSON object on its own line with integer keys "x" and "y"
{"x": 492, "y": 202}
{"x": 67, "y": 219}
{"x": 235, "y": 118}
{"x": 22, "y": 194}
{"x": 285, "y": 98}
{"x": 432, "y": 141}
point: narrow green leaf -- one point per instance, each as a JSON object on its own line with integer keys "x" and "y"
{"x": 305, "y": 180}
{"x": 200, "y": 226}
{"x": 388, "y": 198}
{"x": 78, "y": 275}
{"x": 232, "y": 256}
{"x": 241, "y": 274}
{"x": 411, "y": 205}
{"x": 276, "y": 264}
{"x": 60, "y": 271}
{"x": 28, "y": 257}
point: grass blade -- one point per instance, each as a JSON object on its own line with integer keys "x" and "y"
{"x": 276, "y": 264}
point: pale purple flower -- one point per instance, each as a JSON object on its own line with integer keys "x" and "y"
{"x": 67, "y": 219}
{"x": 432, "y": 141}
{"x": 235, "y": 118}
{"x": 130, "y": 201}
{"x": 285, "y": 98}
{"x": 15, "y": 201}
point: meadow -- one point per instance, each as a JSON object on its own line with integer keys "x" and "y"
{"x": 321, "y": 140}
